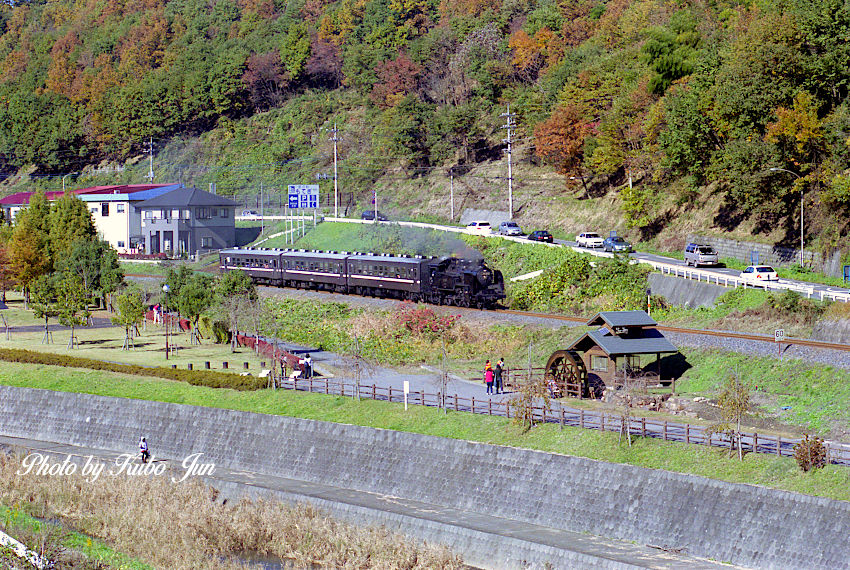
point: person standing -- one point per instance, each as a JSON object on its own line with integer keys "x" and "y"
{"x": 308, "y": 366}
{"x": 488, "y": 376}
{"x": 497, "y": 375}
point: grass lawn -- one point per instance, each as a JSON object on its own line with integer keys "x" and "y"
{"x": 780, "y": 473}
{"x": 105, "y": 344}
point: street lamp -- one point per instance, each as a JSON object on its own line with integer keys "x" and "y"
{"x": 165, "y": 289}
{"x": 63, "y": 180}
{"x": 801, "y": 207}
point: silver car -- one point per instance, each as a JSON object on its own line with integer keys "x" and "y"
{"x": 698, "y": 254}
{"x": 510, "y": 229}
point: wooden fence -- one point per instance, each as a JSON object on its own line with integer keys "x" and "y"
{"x": 586, "y": 419}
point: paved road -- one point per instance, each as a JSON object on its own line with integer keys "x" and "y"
{"x": 723, "y": 271}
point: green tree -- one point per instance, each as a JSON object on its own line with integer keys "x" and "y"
{"x": 70, "y": 222}
{"x": 29, "y": 246}
{"x": 176, "y": 279}
{"x": 96, "y": 264}
{"x": 234, "y": 293}
{"x": 130, "y": 309}
{"x": 44, "y": 303}
{"x": 295, "y": 49}
{"x": 196, "y": 296}
{"x": 73, "y": 304}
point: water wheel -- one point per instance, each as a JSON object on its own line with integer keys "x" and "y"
{"x": 566, "y": 372}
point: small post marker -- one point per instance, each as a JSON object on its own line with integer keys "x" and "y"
{"x": 406, "y": 392}
{"x": 778, "y": 337}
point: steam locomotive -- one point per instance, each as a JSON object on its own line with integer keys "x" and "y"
{"x": 441, "y": 281}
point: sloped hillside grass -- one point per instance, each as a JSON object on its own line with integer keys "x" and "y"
{"x": 780, "y": 473}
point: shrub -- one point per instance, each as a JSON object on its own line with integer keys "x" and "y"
{"x": 218, "y": 331}
{"x": 207, "y": 378}
{"x": 423, "y": 321}
{"x": 810, "y": 453}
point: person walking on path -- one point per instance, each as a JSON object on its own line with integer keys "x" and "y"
{"x": 488, "y": 376}
{"x": 143, "y": 449}
{"x": 497, "y": 375}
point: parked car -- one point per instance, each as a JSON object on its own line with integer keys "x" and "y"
{"x": 616, "y": 244}
{"x": 540, "y": 235}
{"x": 698, "y": 254}
{"x": 589, "y": 239}
{"x": 247, "y": 213}
{"x": 757, "y": 274}
{"x": 480, "y": 228}
{"x": 510, "y": 229}
{"x": 370, "y": 215}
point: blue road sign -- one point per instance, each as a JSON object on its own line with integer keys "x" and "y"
{"x": 303, "y": 196}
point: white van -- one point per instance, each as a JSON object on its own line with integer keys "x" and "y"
{"x": 480, "y": 228}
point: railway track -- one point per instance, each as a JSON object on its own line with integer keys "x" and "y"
{"x": 582, "y": 320}
{"x": 704, "y": 332}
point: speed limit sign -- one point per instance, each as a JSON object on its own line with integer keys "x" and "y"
{"x": 779, "y": 335}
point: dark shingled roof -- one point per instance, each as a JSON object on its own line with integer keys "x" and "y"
{"x": 651, "y": 342}
{"x": 622, "y": 319}
{"x": 183, "y": 197}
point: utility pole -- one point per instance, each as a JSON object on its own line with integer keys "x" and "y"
{"x": 336, "y": 188}
{"x": 150, "y": 159}
{"x": 452, "y": 193}
{"x": 509, "y": 125}
{"x": 262, "y": 219}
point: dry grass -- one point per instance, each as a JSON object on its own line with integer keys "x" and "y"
{"x": 183, "y": 526}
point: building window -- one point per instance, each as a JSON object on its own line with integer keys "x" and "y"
{"x": 104, "y": 209}
{"x": 599, "y": 363}
{"x": 206, "y": 242}
{"x": 119, "y": 208}
{"x": 203, "y": 213}
{"x": 185, "y": 214}
{"x": 223, "y": 212}
{"x": 120, "y": 244}
{"x": 94, "y": 210}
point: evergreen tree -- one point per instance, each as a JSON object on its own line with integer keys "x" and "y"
{"x": 29, "y": 249}
{"x": 70, "y": 222}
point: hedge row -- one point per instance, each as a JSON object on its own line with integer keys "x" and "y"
{"x": 206, "y": 378}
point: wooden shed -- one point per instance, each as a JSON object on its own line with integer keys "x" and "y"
{"x": 627, "y": 343}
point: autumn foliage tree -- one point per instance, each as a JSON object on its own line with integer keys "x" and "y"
{"x": 265, "y": 79}
{"x": 560, "y": 139}
{"x": 396, "y": 79}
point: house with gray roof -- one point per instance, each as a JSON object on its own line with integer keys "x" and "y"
{"x": 626, "y": 341}
{"x": 187, "y": 220}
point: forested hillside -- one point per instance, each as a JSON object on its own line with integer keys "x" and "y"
{"x": 663, "y": 102}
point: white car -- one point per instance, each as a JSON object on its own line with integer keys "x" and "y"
{"x": 480, "y": 228}
{"x": 589, "y": 239}
{"x": 757, "y": 274}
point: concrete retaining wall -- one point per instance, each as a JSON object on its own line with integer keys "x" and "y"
{"x": 772, "y": 255}
{"x": 746, "y": 525}
{"x": 685, "y": 292}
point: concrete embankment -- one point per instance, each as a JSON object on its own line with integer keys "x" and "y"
{"x": 741, "y": 524}
{"x": 685, "y": 292}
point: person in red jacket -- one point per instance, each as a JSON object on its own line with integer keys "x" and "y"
{"x": 488, "y": 376}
